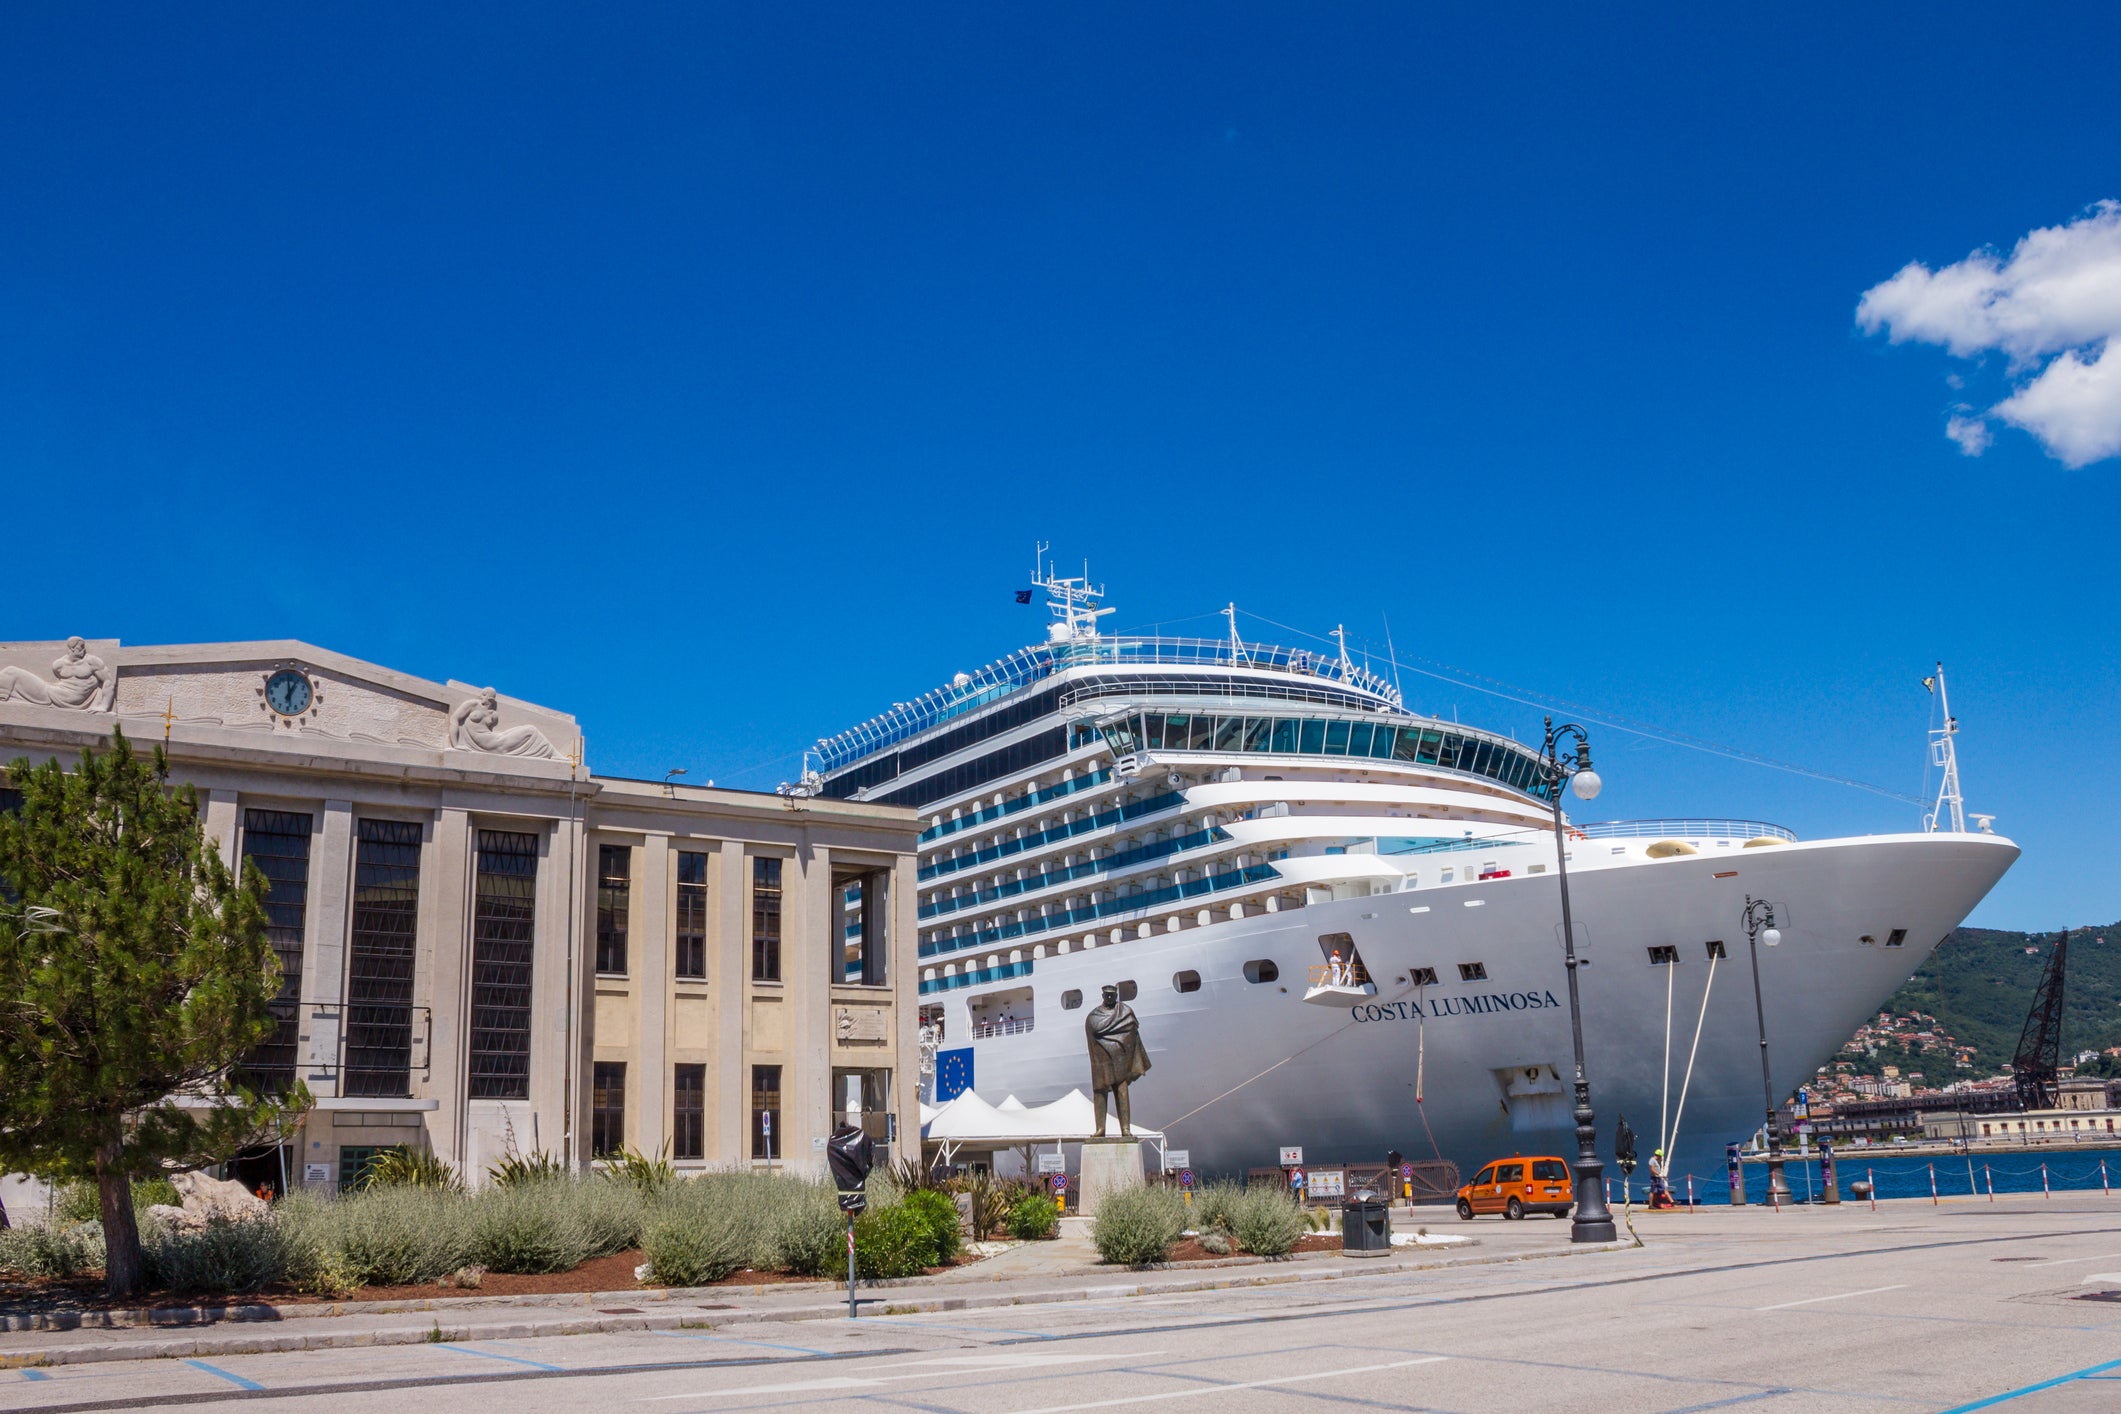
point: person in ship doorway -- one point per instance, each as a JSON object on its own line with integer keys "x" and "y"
{"x": 1660, "y": 1191}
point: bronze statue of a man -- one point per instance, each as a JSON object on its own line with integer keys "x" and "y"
{"x": 1117, "y": 1057}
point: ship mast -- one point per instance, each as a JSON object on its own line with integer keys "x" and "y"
{"x": 1073, "y": 602}
{"x": 1944, "y": 752}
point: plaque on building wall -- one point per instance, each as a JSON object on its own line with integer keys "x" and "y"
{"x": 861, "y": 1023}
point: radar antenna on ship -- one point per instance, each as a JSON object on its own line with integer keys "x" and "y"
{"x": 1944, "y": 753}
{"x": 1072, "y": 601}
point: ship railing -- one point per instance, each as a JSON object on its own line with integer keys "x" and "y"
{"x": 1684, "y": 829}
{"x": 1351, "y": 974}
{"x": 983, "y": 1030}
{"x": 1029, "y": 665}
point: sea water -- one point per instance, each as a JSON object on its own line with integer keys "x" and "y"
{"x": 1909, "y": 1175}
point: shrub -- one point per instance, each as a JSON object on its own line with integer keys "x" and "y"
{"x": 1034, "y": 1217}
{"x": 527, "y": 1227}
{"x": 692, "y": 1240}
{"x": 387, "y": 1235}
{"x": 56, "y": 1249}
{"x": 1215, "y": 1244}
{"x": 77, "y": 1201}
{"x": 812, "y": 1236}
{"x": 222, "y": 1256}
{"x": 989, "y": 1203}
{"x": 939, "y": 1211}
{"x": 892, "y": 1241}
{"x": 402, "y": 1167}
{"x": 607, "y": 1215}
{"x": 1137, "y": 1226}
{"x": 1268, "y": 1223}
{"x": 1215, "y": 1206}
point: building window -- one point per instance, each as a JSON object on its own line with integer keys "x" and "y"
{"x": 766, "y": 923}
{"x": 1423, "y": 977}
{"x": 1261, "y": 970}
{"x": 688, "y": 1113}
{"x": 607, "y": 1109}
{"x": 1187, "y": 981}
{"x": 503, "y": 923}
{"x": 614, "y": 894}
{"x": 1664, "y": 956}
{"x": 765, "y": 1110}
{"x": 692, "y": 916}
{"x": 277, "y": 841}
{"x": 386, "y": 911}
{"x": 1472, "y": 972}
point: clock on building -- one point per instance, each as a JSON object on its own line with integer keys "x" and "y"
{"x": 288, "y": 692}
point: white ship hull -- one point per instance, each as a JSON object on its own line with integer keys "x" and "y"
{"x": 1241, "y": 1068}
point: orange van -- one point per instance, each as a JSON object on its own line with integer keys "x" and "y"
{"x": 1519, "y": 1185}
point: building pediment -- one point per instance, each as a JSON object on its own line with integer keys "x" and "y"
{"x": 281, "y": 693}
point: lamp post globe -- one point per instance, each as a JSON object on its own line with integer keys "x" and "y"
{"x": 1592, "y": 1220}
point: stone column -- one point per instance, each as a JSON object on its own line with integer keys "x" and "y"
{"x": 807, "y": 945}
{"x": 329, "y": 919}
{"x": 654, "y": 917}
{"x": 728, "y": 982}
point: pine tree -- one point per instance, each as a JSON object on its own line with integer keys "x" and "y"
{"x": 134, "y": 976}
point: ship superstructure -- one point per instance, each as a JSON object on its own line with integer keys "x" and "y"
{"x": 1337, "y": 917}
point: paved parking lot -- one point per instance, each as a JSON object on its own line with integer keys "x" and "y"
{"x": 1913, "y": 1307}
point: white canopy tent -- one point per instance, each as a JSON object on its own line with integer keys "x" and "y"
{"x": 969, "y": 1122}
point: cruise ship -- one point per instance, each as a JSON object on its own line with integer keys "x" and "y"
{"x": 1338, "y": 919}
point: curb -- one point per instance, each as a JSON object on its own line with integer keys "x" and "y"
{"x": 262, "y": 1342}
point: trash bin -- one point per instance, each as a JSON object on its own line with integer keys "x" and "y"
{"x": 1365, "y": 1228}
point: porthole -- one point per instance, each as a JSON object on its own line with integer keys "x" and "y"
{"x": 1071, "y": 999}
{"x": 1261, "y": 970}
{"x": 1715, "y": 948}
{"x": 1896, "y": 938}
{"x": 1663, "y": 956}
{"x": 1187, "y": 981}
{"x": 1128, "y": 991}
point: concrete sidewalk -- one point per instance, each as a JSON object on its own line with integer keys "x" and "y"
{"x": 172, "y": 1333}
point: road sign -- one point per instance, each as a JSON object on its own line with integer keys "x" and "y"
{"x": 1291, "y": 1155}
{"x": 1406, "y": 1171}
{"x": 1177, "y": 1159}
{"x": 1051, "y": 1163}
{"x": 1060, "y": 1183}
{"x": 1185, "y": 1178}
{"x": 766, "y": 1121}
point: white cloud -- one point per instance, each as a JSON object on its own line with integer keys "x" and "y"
{"x": 2053, "y": 306}
{"x": 1971, "y": 433}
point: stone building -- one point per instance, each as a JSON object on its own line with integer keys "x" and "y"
{"x": 485, "y": 947}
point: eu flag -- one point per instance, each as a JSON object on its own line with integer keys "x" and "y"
{"x": 953, "y": 1074}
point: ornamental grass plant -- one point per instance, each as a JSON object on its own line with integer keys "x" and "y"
{"x": 1268, "y": 1222}
{"x": 51, "y": 1249}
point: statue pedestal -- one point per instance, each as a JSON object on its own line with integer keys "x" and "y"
{"x": 1109, "y": 1166}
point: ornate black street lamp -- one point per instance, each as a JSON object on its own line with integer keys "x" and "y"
{"x": 1760, "y": 928}
{"x": 1593, "y": 1221}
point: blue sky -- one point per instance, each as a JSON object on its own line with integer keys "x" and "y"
{"x": 711, "y": 372}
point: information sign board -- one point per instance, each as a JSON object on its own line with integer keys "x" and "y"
{"x": 1051, "y": 1163}
{"x": 1291, "y": 1155}
{"x": 316, "y": 1173}
{"x": 1177, "y": 1159}
{"x": 1328, "y": 1183}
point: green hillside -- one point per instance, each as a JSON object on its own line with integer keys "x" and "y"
{"x": 1979, "y": 984}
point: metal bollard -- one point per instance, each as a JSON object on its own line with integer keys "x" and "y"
{"x": 1829, "y": 1189}
{"x": 1933, "y": 1185}
{"x": 1872, "y": 1179}
{"x": 2043, "y": 1180}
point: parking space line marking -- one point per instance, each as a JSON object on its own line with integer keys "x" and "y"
{"x": 237, "y": 1380}
{"x": 35, "y": 1375}
{"x": 732, "y": 1340}
{"x": 2065, "y": 1261}
{"x": 1995, "y": 1399}
{"x": 1839, "y": 1296}
{"x": 1236, "y": 1385}
{"x": 490, "y": 1355}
